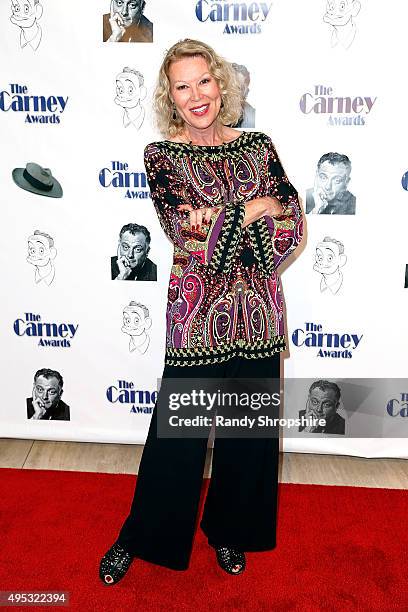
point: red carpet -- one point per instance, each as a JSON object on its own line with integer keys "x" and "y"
{"x": 339, "y": 549}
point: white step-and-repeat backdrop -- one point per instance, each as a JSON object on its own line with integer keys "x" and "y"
{"x": 326, "y": 80}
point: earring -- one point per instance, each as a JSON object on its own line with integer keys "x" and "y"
{"x": 222, "y": 103}
{"x": 174, "y": 113}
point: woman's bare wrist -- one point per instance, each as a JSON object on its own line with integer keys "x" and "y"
{"x": 257, "y": 208}
{"x": 254, "y": 210}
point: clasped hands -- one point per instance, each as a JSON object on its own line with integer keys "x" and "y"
{"x": 254, "y": 210}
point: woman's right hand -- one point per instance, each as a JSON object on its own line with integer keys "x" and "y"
{"x": 259, "y": 207}
{"x": 199, "y": 216}
{"x": 274, "y": 207}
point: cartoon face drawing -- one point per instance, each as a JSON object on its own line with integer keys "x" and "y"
{"x": 329, "y": 258}
{"x": 25, "y": 14}
{"x": 130, "y": 91}
{"x": 340, "y": 16}
{"x": 136, "y": 322}
{"x": 41, "y": 254}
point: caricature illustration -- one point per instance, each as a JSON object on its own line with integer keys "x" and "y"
{"x": 126, "y": 22}
{"x": 329, "y": 258}
{"x": 330, "y": 194}
{"x": 340, "y": 16}
{"x": 323, "y": 402}
{"x": 247, "y": 119}
{"x": 41, "y": 255}
{"x": 46, "y": 402}
{"x": 136, "y": 321}
{"x": 25, "y": 14}
{"x": 130, "y": 91}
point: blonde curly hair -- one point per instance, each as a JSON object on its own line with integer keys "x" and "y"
{"x": 221, "y": 70}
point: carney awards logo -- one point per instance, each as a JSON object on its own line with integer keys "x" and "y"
{"x": 338, "y": 110}
{"x": 239, "y": 17}
{"x": 329, "y": 344}
{"x": 46, "y": 334}
{"x": 37, "y": 109}
{"x": 138, "y": 400}
{"x": 133, "y": 185}
{"x": 398, "y": 406}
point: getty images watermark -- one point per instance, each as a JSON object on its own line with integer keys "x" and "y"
{"x": 312, "y": 407}
{"x": 212, "y": 401}
{"x": 236, "y": 407}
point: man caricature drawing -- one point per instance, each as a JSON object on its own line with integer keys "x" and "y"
{"x": 340, "y": 16}
{"x": 136, "y": 321}
{"x": 25, "y": 14}
{"x": 41, "y": 255}
{"x": 130, "y": 91}
{"x": 329, "y": 258}
{"x": 126, "y": 22}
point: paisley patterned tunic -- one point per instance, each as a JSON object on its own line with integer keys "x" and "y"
{"x": 224, "y": 295}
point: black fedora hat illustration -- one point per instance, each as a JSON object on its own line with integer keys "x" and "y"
{"x": 37, "y": 179}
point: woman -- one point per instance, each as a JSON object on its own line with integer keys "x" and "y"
{"x": 224, "y": 200}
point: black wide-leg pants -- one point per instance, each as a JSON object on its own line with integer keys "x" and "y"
{"x": 241, "y": 503}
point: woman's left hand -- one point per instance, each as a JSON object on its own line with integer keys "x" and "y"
{"x": 199, "y": 216}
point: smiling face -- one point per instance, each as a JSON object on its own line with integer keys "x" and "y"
{"x": 195, "y": 91}
{"x": 133, "y": 321}
{"x": 24, "y": 13}
{"x": 48, "y": 390}
{"x": 134, "y": 247}
{"x": 327, "y": 258}
{"x": 130, "y": 10}
{"x": 339, "y": 12}
{"x": 127, "y": 91}
{"x": 333, "y": 179}
{"x": 39, "y": 251}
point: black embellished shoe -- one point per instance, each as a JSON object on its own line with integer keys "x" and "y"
{"x": 114, "y": 564}
{"x": 231, "y": 560}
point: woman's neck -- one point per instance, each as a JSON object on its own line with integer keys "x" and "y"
{"x": 213, "y": 135}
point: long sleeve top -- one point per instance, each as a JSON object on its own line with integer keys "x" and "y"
{"x": 224, "y": 295}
